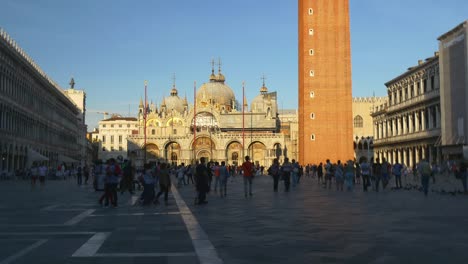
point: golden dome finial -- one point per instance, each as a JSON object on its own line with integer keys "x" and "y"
{"x": 173, "y": 90}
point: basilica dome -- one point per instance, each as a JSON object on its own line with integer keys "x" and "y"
{"x": 216, "y": 92}
{"x": 261, "y": 102}
{"x": 174, "y": 102}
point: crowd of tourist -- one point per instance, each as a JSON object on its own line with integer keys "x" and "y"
{"x": 206, "y": 177}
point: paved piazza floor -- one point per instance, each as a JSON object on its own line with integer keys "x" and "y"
{"x": 62, "y": 223}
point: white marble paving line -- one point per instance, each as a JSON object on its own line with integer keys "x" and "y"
{"x": 135, "y": 214}
{"x": 23, "y": 252}
{"x": 205, "y": 250}
{"x": 44, "y": 233}
{"x": 91, "y": 246}
{"x": 50, "y": 207}
{"x": 133, "y": 200}
{"x": 75, "y": 220}
{"x": 133, "y": 255}
{"x": 35, "y": 225}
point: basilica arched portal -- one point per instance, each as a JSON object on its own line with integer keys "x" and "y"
{"x": 257, "y": 153}
{"x": 204, "y": 147}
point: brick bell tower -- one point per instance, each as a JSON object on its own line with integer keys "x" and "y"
{"x": 325, "y": 93}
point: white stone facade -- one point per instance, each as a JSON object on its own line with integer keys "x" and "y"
{"x": 407, "y": 128}
{"x": 37, "y": 120}
{"x": 112, "y": 137}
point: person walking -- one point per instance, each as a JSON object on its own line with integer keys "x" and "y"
{"x": 164, "y": 183}
{"x": 365, "y": 173}
{"x": 127, "y": 178}
{"x": 319, "y": 173}
{"x": 463, "y": 175}
{"x": 385, "y": 172}
{"x": 274, "y": 171}
{"x": 349, "y": 175}
{"x": 34, "y": 175}
{"x": 328, "y": 174}
{"x": 79, "y": 175}
{"x": 215, "y": 171}
{"x": 86, "y": 174}
{"x": 201, "y": 181}
{"x": 295, "y": 173}
{"x": 223, "y": 178}
{"x": 286, "y": 169}
{"x": 396, "y": 170}
{"x": 42, "y": 171}
{"x": 148, "y": 180}
{"x": 339, "y": 176}
{"x": 425, "y": 170}
{"x": 113, "y": 172}
{"x": 376, "y": 174}
{"x": 248, "y": 171}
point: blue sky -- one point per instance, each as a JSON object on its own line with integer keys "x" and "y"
{"x": 111, "y": 46}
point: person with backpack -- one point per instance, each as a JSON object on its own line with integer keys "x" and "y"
{"x": 164, "y": 183}
{"x": 201, "y": 181}
{"x": 148, "y": 181}
{"x": 113, "y": 173}
{"x": 274, "y": 171}
{"x": 425, "y": 170}
{"x": 127, "y": 178}
{"x": 286, "y": 170}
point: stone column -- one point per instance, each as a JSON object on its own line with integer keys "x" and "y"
{"x": 423, "y": 152}
{"x": 399, "y": 156}
{"x": 410, "y": 119}
{"x": 417, "y": 128}
{"x": 416, "y": 155}
{"x": 410, "y": 157}
{"x": 423, "y": 120}
{"x": 376, "y": 130}
{"x": 421, "y": 85}
{"x": 430, "y": 117}
{"x": 405, "y": 128}
{"x": 438, "y": 124}
{"x": 400, "y": 125}
{"x": 404, "y": 160}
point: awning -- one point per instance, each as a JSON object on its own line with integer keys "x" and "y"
{"x": 34, "y": 156}
{"x": 65, "y": 159}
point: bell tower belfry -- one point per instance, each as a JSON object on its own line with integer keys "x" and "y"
{"x": 325, "y": 93}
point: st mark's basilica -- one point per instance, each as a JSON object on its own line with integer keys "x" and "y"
{"x": 217, "y": 126}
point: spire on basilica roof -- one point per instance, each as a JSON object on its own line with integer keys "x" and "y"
{"x": 221, "y": 77}
{"x": 141, "y": 102}
{"x": 212, "y": 76}
{"x": 185, "y": 99}
{"x": 173, "y": 90}
{"x": 264, "y": 89}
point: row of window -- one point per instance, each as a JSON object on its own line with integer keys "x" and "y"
{"x": 410, "y": 92}
{"x": 120, "y": 125}
{"x": 112, "y": 139}
{"x": 112, "y": 149}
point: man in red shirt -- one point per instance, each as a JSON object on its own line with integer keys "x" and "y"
{"x": 248, "y": 171}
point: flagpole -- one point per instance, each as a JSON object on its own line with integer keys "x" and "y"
{"x": 194, "y": 119}
{"x": 144, "y": 119}
{"x": 243, "y": 119}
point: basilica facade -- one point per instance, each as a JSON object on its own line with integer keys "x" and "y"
{"x": 215, "y": 126}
